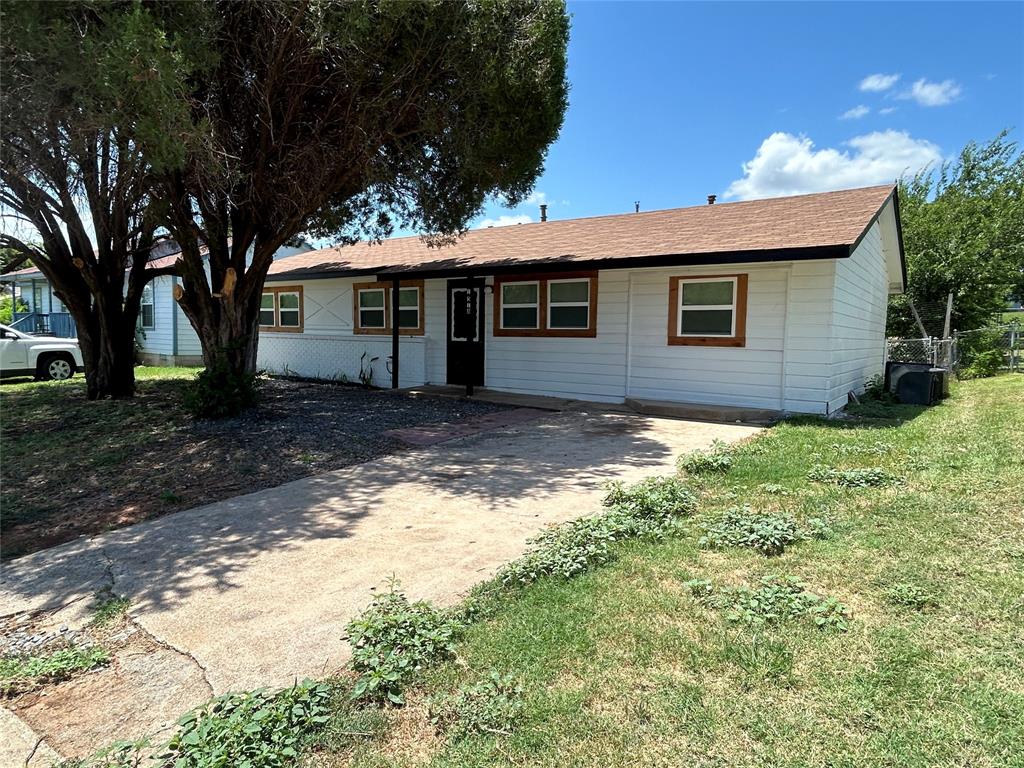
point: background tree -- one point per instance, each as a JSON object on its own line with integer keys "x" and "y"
{"x": 963, "y": 231}
{"x": 73, "y": 179}
{"x": 347, "y": 120}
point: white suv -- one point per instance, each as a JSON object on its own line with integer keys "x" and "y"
{"x": 45, "y": 357}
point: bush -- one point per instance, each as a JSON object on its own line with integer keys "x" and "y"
{"x": 981, "y": 353}
{"x": 394, "y": 639}
{"x": 218, "y": 393}
{"x": 863, "y": 477}
{"x": 743, "y": 527}
{"x": 255, "y": 728}
{"x": 491, "y": 705}
{"x": 983, "y": 365}
{"x": 777, "y": 599}
{"x": 716, "y": 459}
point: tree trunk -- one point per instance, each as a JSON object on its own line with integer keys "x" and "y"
{"x": 106, "y": 335}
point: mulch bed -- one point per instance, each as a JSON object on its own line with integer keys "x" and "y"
{"x": 73, "y": 467}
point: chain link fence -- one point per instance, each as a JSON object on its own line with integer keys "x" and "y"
{"x": 969, "y": 354}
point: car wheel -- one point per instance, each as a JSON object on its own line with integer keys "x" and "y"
{"x": 58, "y": 369}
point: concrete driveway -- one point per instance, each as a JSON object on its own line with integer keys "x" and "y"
{"x": 256, "y": 590}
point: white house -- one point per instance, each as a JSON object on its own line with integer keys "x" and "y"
{"x": 165, "y": 336}
{"x": 773, "y": 304}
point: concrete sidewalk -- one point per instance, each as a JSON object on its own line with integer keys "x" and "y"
{"x": 256, "y": 590}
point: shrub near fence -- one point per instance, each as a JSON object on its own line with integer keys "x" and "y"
{"x": 970, "y": 354}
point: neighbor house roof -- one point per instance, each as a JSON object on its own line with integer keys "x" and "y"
{"x": 824, "y": 225}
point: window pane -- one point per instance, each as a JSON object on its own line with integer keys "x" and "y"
{"x": 569, "y": 317}
{"x": 706, "y": 293}
{"x": 289, "y": 318}
{"x": 717, "y": 322}
{"x": 371, "y": 298}
{"x": 519, "y": 293}
{"x": 371, "y": 318}
{"x": 288, "y": 300}
{"x": 408, "y": 318}
{"x": 569, "y": 292}
{"x": 409, "y": 297}
{"x": 267, "y": 301}
{"x": 266, "y": 317}
{"x": 147, "y": 316}
{"x": 525, "y": 317}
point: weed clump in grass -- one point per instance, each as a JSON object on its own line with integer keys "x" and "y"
{"x": 775, "y": 600}
{"x": 491, "y": 705}
{"x": 764, "y": 532}
{"x": 16, "y": 672}
{"x": 861, "y": 477}
{"x": 911, "y": 596}
{"x": 394, "y": 639}
{"x": 648, "y": 509}
{"x": 718, "y": 458}
{"x": 252, "y": 728}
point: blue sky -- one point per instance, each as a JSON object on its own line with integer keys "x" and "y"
{"x": 671, "y": 102}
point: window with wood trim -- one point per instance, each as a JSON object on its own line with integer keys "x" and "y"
{"x": 371, "y": 305}
{"x": 708, "y": 310}
{"x": 563, "y": 304}
{"x": 281, "y": 309}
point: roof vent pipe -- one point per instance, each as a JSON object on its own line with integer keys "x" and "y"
{"x": 543, "y": 211}
{"x": 711, "y": 199}
{"x": 636, "y": 206}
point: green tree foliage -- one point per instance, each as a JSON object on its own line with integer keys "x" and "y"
{"x": 346, "y": 120}
{"x": 963, "y": 232}
{"x": 86, "y": 85}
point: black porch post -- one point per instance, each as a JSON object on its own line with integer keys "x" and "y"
{"x": 394, "y": 333}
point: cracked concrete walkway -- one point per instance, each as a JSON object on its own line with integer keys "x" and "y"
{"x": 257, "y": 589}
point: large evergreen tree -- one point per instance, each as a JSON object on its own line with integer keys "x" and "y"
{"x": 81, "y": 87}
{"x": 347, "y": 119}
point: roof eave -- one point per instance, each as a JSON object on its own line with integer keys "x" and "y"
{"x": 562, "y": 264}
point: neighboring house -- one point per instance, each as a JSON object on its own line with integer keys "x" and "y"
{"x": 775, "y": 304}
{"x": 165, "y": 335}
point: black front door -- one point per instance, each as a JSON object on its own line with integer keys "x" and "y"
{"x": 466, "y": 332}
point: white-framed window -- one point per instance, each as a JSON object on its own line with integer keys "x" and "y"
{"x": 409, "y": 308}
{"x": 267, "y": 310}
{"x": 288, "y": 309}
{"x": 707, "y": 307}
{"x": 147, "y": 309}
{"x": 568, "y": 304}
{"x": 372, "y": 308}
{"x": 520, "y": 305}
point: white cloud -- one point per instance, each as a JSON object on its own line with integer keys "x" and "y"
{"x": 855, "y": 113}
{"x": 929, "y": 94}
{"x": 504, "y": 221}
{"x": 536, "y": 198}
{"x": 878, "y": 82}
{"x": 790, "y": 165}
{"x": 887, "y": 110}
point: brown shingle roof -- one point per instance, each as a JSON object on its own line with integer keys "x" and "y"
{"x": 828, "y": 219}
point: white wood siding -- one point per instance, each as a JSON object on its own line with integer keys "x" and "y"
{"x": 743, "y": 376}
{"x": 587, "y": 369}
{"x": 859, "y": 302}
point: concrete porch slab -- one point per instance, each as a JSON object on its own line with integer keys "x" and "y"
{"x": 699, "y": 412}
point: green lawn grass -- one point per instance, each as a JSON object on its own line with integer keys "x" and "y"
{"x": 622, "y": 667}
